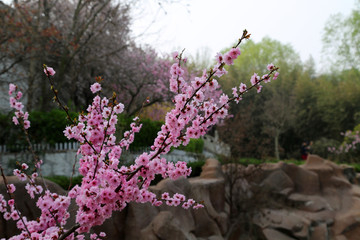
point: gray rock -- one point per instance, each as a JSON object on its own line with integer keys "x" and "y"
{"x": 278, "y": 181}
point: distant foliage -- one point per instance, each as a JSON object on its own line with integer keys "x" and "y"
{"x": 64, "y": 181}
{"x": 349, "y": 149}
{"x": 8, "y": 134}
{"x": 46, "y": 127}
{"x": 146, "y": 136}
{"x": 194, "y": 146}
{"x": 321, "y": 147}
{"x": 301, "y": 105}
{"x": 196, "y": 168}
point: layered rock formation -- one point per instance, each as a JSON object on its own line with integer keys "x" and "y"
{"x": 314, "y": 201}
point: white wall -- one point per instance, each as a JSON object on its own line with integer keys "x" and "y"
{"x": 61, "y": 162}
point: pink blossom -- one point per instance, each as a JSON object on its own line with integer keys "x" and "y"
{"x": 15, "y": 120}
{"x": 234, "y": 52}
{"x": 228, "y": 59}
{"x": 30, "y": 189}
{"x": 26, "y": 115}
{"x": 179, "y": 197}
{"x": 12, "y": 88}
{"x": 20, "y": 175}
{"x": 95, "y": 87}
{"x": 198, "y": 205}
{"x": 176, "y": 202}
{"x": 219, "y": 58}
{"x": 7, "y": 216}
{"x": 242, "y": 87}
{"x": 106, "y": 112}
{"x": 276, "y": 74}
{"x": 234, "y": 92}
{"x": 49, "y": 71}
{"x": 24, "y": 166}
{"x": 270, "y": 67}
{"x": 224, "y": 99}
{"x": 219, "y": 72}
{"x": 266, "y": 78}
{"x": 13, "y": 102}
{"x": 38, "y": 164}
{"x": 258, "y": 88}
{"x": 26, "y": 124}
{"x": 15, "y": 216}
{"x": 19, "y": 106}
{"x": 175, "y": 54}
{"x": 18, "y": 95}
{"x": 191, "y": 201}
{"x": 11, "y": 188}
{"x": 185, "y": 205}
{"x": 143, "y": 159}
{"x": 254, "y": 79}
{"x": 165, "y": 196}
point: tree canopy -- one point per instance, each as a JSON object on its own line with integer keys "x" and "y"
{"x": 80, "y": 40}
{"x": 301, "y": 105}
{"x": 342, "y": 40}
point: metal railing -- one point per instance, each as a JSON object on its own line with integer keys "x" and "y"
{"x": 40, "y": 147}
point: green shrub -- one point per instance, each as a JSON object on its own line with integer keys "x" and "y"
{"x": 248, "y": 161}
{"x": 194, "y": 146}
{"x": 196, "y": 167}
{"x": 320, "y": 146}
{"x": 9, "y": 134}
{"x": 48, "y": 127}
{"x": 157, "y": 179}
{"x": 356, "y": 166}
{"x": 64, "y": 181}
{"x": 255, "y": 161}
{"x": 147, "y": 134}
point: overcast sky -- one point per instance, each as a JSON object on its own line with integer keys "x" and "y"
{"x": 217, "y": 24}
{"x": 212, "y": 25}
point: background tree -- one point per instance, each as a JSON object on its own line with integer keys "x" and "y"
{"x": 266, "y": 122}
{"x": 70, "y": 36}
{"x": 278, "y": 116}
{"x": 143, "y": 75}
{"x": 342, "y": 40}
{"x": 326, "y": 105}
{"x": 81, "y": 40}
{"x": 308, "y": 118}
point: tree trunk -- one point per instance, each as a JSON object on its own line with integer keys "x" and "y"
{"x": 276, "y": 140}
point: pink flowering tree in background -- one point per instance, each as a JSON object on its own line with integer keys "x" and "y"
{"x": 143, "y": 75}
{"x": 348, "y": 150}
{"x": 107, "y": 185}
{"x": 144, "y": 78}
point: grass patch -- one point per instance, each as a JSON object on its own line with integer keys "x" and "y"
{"x": 255, "y": 161}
